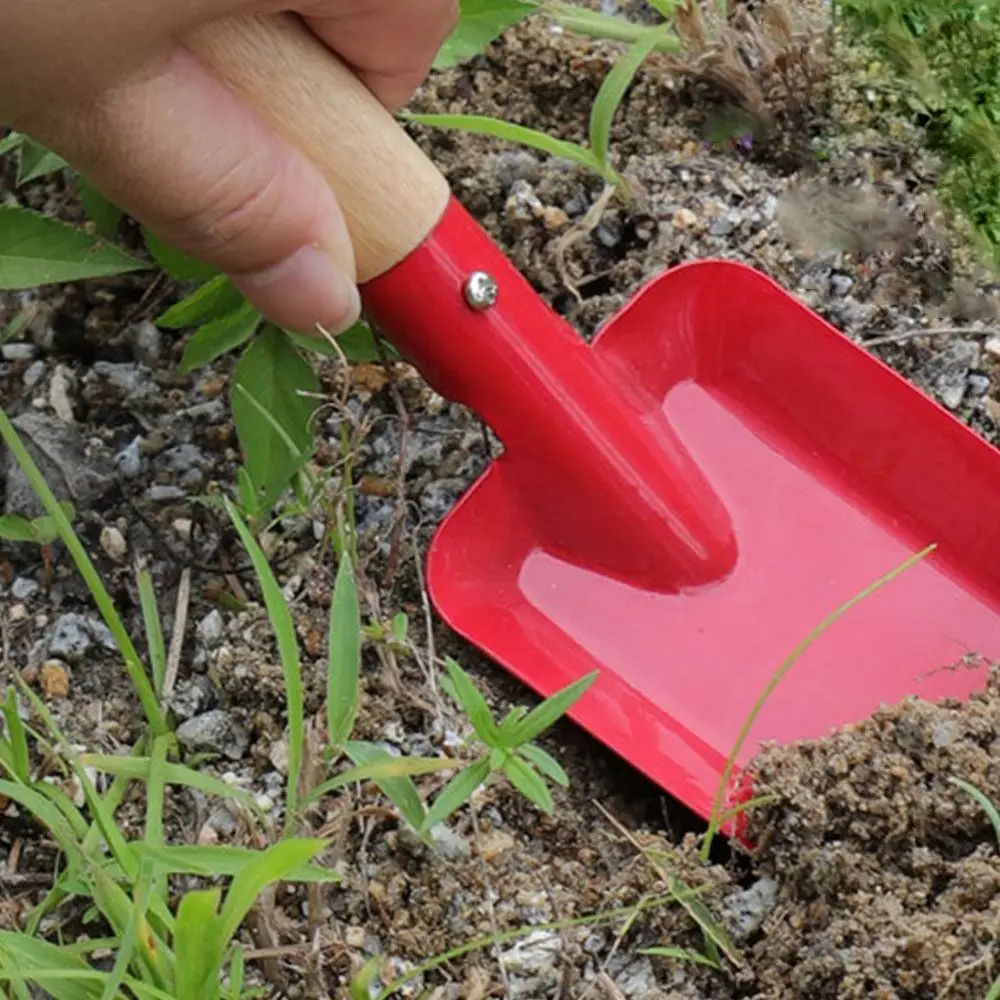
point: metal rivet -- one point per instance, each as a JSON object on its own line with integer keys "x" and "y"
{"x": 481, "y": 290}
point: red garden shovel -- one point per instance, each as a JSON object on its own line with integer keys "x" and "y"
{"x": 678, "y": 504}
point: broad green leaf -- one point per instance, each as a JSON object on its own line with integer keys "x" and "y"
{"x": 216, "y": 299}
{"x": 456, "y": 793}
{"x": 399, "y": 790}
{"x": 481, "y": 22}
{"x": 106, "y": 216}
{"x": 272, "y": 374}
{"x": 472, "y": 701}
{"x": 549, "y": 711}
{"x": 222, "y": 860}
{"x": 198, "y": 946}
{"x": 509, "y": 132}
{"x": 34, "y": 955}
{"x": 344, "y": 656}
{"x": 177, "y": 264}
{"x": 10, "y": 143}
{"x": 36, "y": 161}
{"x": 613, "y": 90}
{"x": 526, "y": 780}
{"x": 15, "y": 528}
{"x": 220, "y": 336}
{"x": 270, "y": 866}
{"x": 357, "y": 344}
{"x": 510, "y": 720}
{"x": 288, "y": 649}
{"x": 138, "y": 768}
{"x": 545, "y": 763}
{"x": 38, "y": 250}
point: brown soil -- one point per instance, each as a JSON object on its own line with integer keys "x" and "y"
{"x": 874, "y": 876}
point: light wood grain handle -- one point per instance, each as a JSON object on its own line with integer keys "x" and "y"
{"x": 392, "y": 195}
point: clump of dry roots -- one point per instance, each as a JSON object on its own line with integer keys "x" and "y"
{"x": 767, "y": 59}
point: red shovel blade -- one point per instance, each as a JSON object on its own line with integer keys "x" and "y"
{"x": 817, "y": 469}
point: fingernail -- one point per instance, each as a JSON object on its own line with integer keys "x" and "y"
{"x": 305, "y": 290}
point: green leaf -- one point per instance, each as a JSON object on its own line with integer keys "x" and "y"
{"x": 613, "y": 90}
{"x": 272, "y": 373}
{"x": 270, "y": 866}
{"x": 215, "y": 299}
{"x": 545, "y": 763}
{"x": 220, "y": 336}
{"x": 17, "y": 739}
{"x": 222, "y": 861}
{"x": 472, "y": 701}
{"x": 358, "y": 344}
{"x": 982, "y": 801}
{"x": 288, "y": 648}
{"x": 38, "y": 250}
{"x": 481, "y": 22}
{"x": 398, "y": 789}
{"x": 36, "y": 161}
{"x": 549, "y": 711}
{"x": 16, "y": 528}
{"x": 31, "y": 955}
{"x": 177, "y": 264}
{"x": 106, "y": 216}
{"x": 10, "y": 143}
{"x": 526, "y": 780}
{"x": 138, "y": 768}
{"x": 198, "y": 946}
{"x": 154, "y": 632}
{"x": 400, "y": 626}
{"x": 456, "y": 793}
{"x": 509, "y": 132}
{"x": 344, "y": 656}
{"x": 681, "y": 954}
{"x": 715, "y": 934}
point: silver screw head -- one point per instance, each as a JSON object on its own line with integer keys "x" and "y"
{"x": 481, "y": 290}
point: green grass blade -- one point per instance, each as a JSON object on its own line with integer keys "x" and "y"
{"x": 154, "y": 632}
{"x": 223, "y": 860}
{"x": 714, "y": 822}
{"x": 983, "y": 802}
{"x": 17, "y": 739}
{"x": 400, "y": 790}
{"x": 137, "y": 673}
{"x": 288, "y": 647}
{"x": 484, "y": 125}
{"x": 456, "y": 793}
{"x": 129, "y": 943}
{"x": 198, "y": 946}
{"x": 473, "y": 703}
{"x": 270, "y": 866}
{"x": 139, "y": 769}
{"x": 527, "y": 781}
{"x": 46, "y": 813}
{"x": 545, "y": 763}
{"x": 714, "y": 932}
{"x": 344, "y": 657}
{"x": 540, "y": 718}
{"x": 681, "y": 954}
{"x": 38, "y": 960}
{"x": 613, "y": 89}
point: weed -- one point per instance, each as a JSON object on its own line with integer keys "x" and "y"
{"x": 946, "y": 58}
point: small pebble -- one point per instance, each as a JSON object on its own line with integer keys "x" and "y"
{"x": 17, "y": 613}
{"x": 128, "y": 461}
{"x": 23, "y": 588}
{"x": 992, "y": 347}
{"x": 210, "y": 628}
{"x": 59, "y": 394}
{"x": 159, "y": 493}
{"x": 684, "y": 218}
{"x": 18, "y": 352}
{"x": 33, "y": 374}
{"x": 113, "y": 542}
{"x": 54, "y": 679}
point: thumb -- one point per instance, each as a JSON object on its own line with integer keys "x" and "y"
{"x": 186, "y": 157}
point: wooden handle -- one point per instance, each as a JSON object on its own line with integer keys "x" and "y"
{"x": 392, "y": 195}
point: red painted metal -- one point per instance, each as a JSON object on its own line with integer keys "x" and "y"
{"x": 682, "y": 502}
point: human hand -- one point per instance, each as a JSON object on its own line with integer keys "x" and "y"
{"x": 109, "y": 86}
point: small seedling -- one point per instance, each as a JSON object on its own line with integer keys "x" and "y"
{"x": 41, "y": 531}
